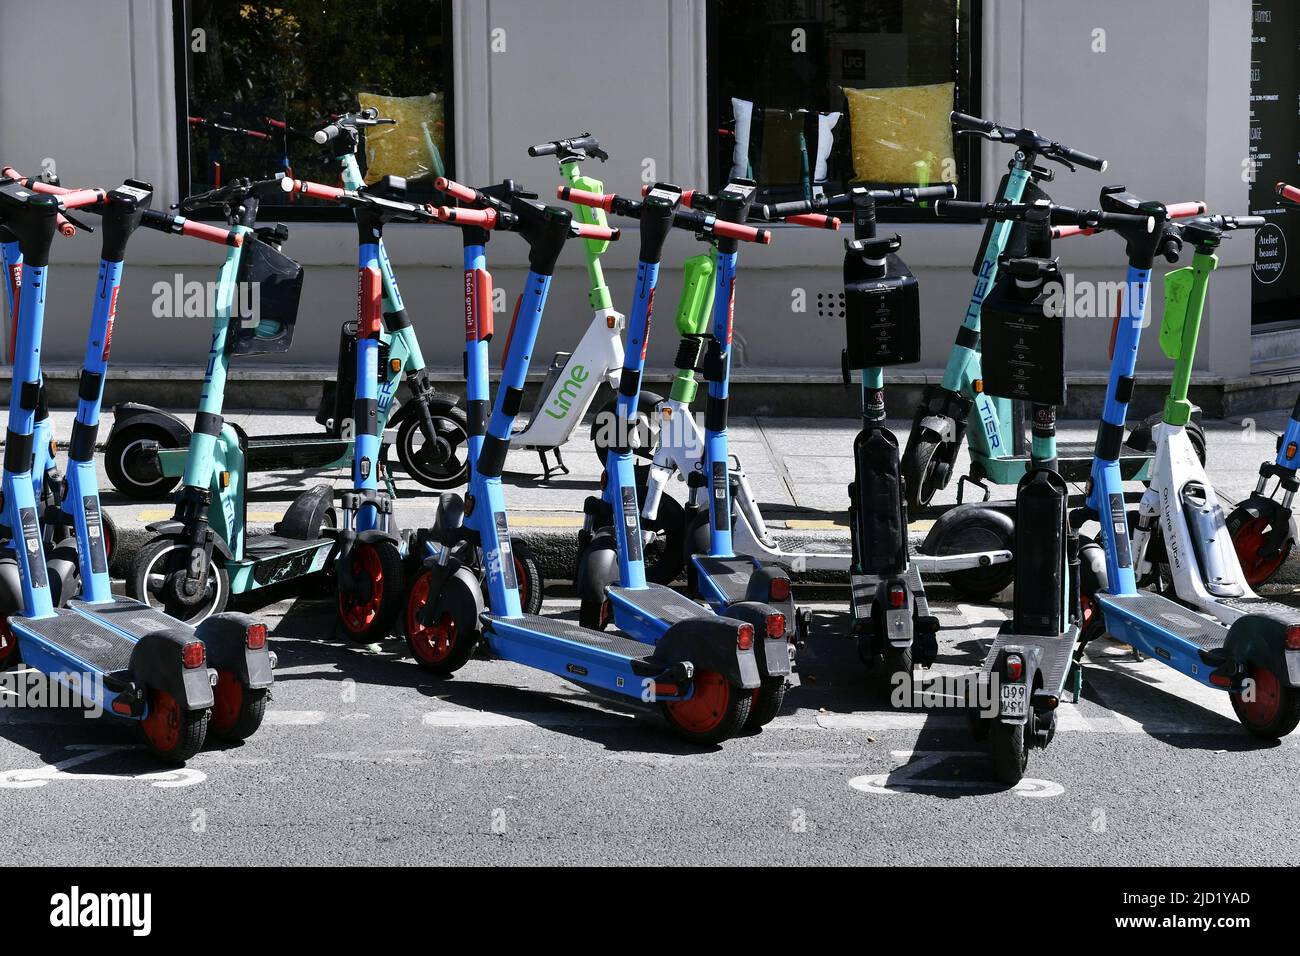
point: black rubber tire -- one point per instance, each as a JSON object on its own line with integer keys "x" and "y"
{"x": 109, "y": 527}
{"x": 766, "y": 702}
{"x": 918, "y": 472}
{"x": 1010, "y": 755}
{"x": 647, "y": 426}
{"x": 665, "y": 556}
{"x": 183, "y": 735}
{"x": 143, "y": 578}
{"x": 1196, "y": 435}
{"x": 893, "y": 663}
{"x": 452, "y": 426}
{"x": 1285, "y": 717}
{"x": 9, "y": 653}
{"x": 456, "y": 623}
{"x": 246, "y": 718}
{"x": 528, "y": 573}
{"x": 595, "y": 615}
{"x": 978, "y": 529}
{"x": 722, "y": 721}
{"x": 374, "y": 620}
{"x": 1257, "y": 572}
{"x": 119, "y": 455}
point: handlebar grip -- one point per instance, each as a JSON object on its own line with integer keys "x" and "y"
{"x": 542, "y": 149}
{"x": 66, "y": 229}
{"x": 813, "y": 220}
{"x": 314, "y": 190}
{"x": 736, "y": 230}
{"x": 942, "y": 191}
{"x": 1249, "y": 222}
{"x": 796, "y": 207}
{"x": 77, "y": 198}
{"x": 1185, "y": 210}
{"x": 453, "y": 188}
{"x": 1066, "y": 232}
{"x": 328, "y": 134}
{"x": 583, "y": 197}
{"x": 966, "y": 121}
{"x": 1080, "y": 158}
{"x": 210, "y": 233}
{"x": 958, "y": 206}
{"x": 585, "y": 230}
{"x": 1288, "y": 192}
{"x": 483, "y": 218}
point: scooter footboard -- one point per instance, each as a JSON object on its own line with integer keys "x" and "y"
{"x": 772, "y": 651}
{"x": 712, "y": 643}
{"x": 157, "y": 664}
{"x": 237, "y": 642}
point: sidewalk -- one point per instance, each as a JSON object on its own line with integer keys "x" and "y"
{"x": 799, "y": 469}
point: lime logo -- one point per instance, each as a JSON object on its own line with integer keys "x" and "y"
{"x": 569, "y": 390}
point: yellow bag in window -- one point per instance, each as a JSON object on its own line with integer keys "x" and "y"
{"x": 414, "y": 147}
{"x": 901, "y": 134}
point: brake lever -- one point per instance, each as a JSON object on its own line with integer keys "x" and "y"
{"x": 79, "y": 223}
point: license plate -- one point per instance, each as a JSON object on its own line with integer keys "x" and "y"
{"x": 1013, "y": 700}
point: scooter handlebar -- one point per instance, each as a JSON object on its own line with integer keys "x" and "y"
{"x": 1178, "y": 210}
{"x": 585, "y": 230}
{"x": 813, "y": 220}
{"x": 1288, "y": 192}
{"x": 454, "y": 189}
{"x": 177, "y": 225}
{"x": 314, "y": 190}
{"x": 583, "y": 197}
{"x": 1080, "y": 158}
{"x": 741, "y": 232}
{"x": 482, "y": 218}
{"x": 574, "y": 146}
{"x": 976, "y": 123}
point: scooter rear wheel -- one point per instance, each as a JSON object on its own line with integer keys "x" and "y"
{"x": 238, "y": 710}
{"x": 171, "y": 732}
{"x": 1249, "y": 533}
{"x": 146, "y": 581}
{"x": 1010, "y": 751}
{"x": 974, "y": 529}
{"x": 122, "y": 457}
{"x": 444, "y": 646}
{"x": 921, "y": 477}
{"x": 647, "y": 427}
{"x": 715, "y": 712}
{"x": 765, "y": 702}
{"x": 368, "y": 612}
{"x": 8, "y": 645}
{"x": 1273, "y": 711}
{"x": 443, "y": 463}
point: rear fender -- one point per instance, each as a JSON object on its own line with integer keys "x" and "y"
{"x": 156, "y": 665}
{"x": 597, "y": 567}
{"x": 710, "y": 643}
{"x": 1259, "y": 641}
{"x": 134, "y": 413}
{"x": 772, "y": 653}
{"x": 225, "y": 637}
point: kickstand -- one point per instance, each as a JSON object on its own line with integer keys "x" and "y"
{"x": 964, "y": 480}
{"x": 559, "y": 468}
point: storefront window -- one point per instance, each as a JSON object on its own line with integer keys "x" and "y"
{"x": 808, "y": 96}
{"x": 256, "y": 80}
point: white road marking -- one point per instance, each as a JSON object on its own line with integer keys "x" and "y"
{"x": 482, "y": 719}
{"x": 39, "y": 777}
{"x": 905, "y": 779}
{"x": 295, "y": 718}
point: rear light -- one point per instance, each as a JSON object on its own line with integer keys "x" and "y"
{"x": 776, "y": 625}
{"x": 1014, "y": 667}
{"x": 745, "y": 637}
{"x": 255, "y": 637}
{"x": 610, "y": 321}
{"x": 121, "y": 707}
{"x": 193, "y": 654}
{"x": 667, "y": 412}
{"x": 1221, "y": 680}
{"x": 897, "y": 596}
{"x": 779, "y": 589}
{"x": 1293, "y": 637}
{"x": 1291, "y": 450}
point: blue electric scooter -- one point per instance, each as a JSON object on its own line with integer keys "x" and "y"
{"x": 120, "y": 656}
{"x": 702, "y": 672}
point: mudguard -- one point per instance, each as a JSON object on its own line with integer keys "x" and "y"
{"x": 759, "y": 591}
{"x": 1258, "y": 640}
{"x": 156, "y": 665}
{"x": 772, "y": 653}
{"x": 134, "y": 413}
{"x": 224, "y": 636}
{"x": 371, "y": 535}
{"x": 940, "y": 529}
{"x": 597, "y": 566}
{"x": 710, "y": 644}
{"x": 410, "y": 408}
{"x": 1092, "y": 569}
{"x": 442, "y": 577}
{"x": 63, "y": 569}
{"x": 176, "y": 529}
{"x": 1139, "y": 439}
{"x": 11, "y": 586}
{"x": 306, "y": 515}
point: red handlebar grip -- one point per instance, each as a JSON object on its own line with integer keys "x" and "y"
{"x": 76, "y": 198}
{"x": 483, "y": 218}
{"x": 582, "y": 197}
{"x": 66, "y": 228}
{"x": 588, "y": 231}
{"x": 1289, "y": 192}
{"x": 208, "y": 233}
{"x": 1185, "y": 210}
{"x": 734, "y": 230}
{"x": 453, "y": 188}
{"x": 1065, "y": 232}
{"x": 814, "y": 220}
{"x": 314, "y": 190}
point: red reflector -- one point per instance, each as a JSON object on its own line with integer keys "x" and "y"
{"x": 1293, "y": 637}
{"x": 121, "y": 707}
{"x": 193, "y": 654}
{"x": 666, "y": 690}
{"x": 779, "y": 589}
{"x": 1221, "y": 680}
{"x": 897, "y": 595}
{"x": 1015, "y": 668}
{"x": 255, "y": 637}
{"x": 776, "y": 625}
{"x": 745, "y": 637}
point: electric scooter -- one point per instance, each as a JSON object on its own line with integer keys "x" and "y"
{"x": 702, "y": 672}
{"x": 125, "y": 658}
{"x": 940, "y": 422}
{"x": 1263, "y": 531}
{"x": 1252, "y": 650}
{"x": 146, "y": 452}
{"x": 610, "y": 579}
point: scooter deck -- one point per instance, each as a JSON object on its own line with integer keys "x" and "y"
{"x": 126, "y": 614}
{"x": 730, "y": 576}
{"x": 1259, "y": 605}
{"x": 1055, "y": 654}
{"x": 1073, "y": 462}
{"x": 658, "y": 602}
{"x": 80, "y": 638}
{"x": 1144, "y": 610}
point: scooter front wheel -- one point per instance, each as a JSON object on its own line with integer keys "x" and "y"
{"x": 1249, "y": 534}
{"x": 715, "y": 712}
{"x": 442, "y": 463}
{"x": 923, "y": 472}
{"x": 971, "y": 529}
{"x": 238, "y": 710}
{"x": 1273, "y": 707}
{"x": 1010, "y": 751}
{"x": 171, "y": 732}
{"x": 444, "y": 646}
{"x": 368, "y": 610}
{"x": 146, "y": 581}
{"x": 604, "y": 427}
